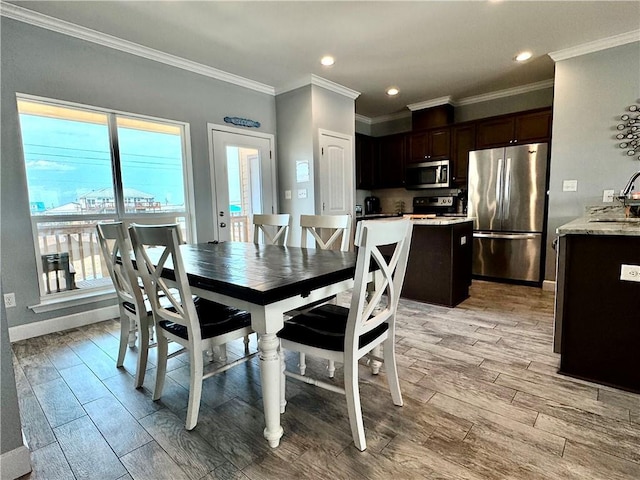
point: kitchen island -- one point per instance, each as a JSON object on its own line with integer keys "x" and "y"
{"x": 439, "y": 265}
{"x": 597, "y": 317}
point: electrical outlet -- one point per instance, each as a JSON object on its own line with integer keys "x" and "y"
{"x": 302, "y": 193}
{"x": 9, "y": 300}
{"x": 607, "y": 196}
{"x": 630, "y": 273}
{"x": 570, "y": 186}
{"x": 463, "y": 240}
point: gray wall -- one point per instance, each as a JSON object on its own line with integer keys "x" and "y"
{"x": 591, "y": 92}
{"x": 300, "y": 114}
{"x": 40, "y": 62}
{"x": 11, "y": 437}
{"x": 399, "y": 125}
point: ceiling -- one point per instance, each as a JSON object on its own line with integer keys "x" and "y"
{"x": 427, "y": 49}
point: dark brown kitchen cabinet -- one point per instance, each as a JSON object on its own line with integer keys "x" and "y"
{"x": 439, "y": 265}
{"x": 429, "y": 145}
{"x": 366, "y": 161}
{"x": 463, "y": 141}
{"x": 597, "y": 323}
{"x": 533, "y": 126}
{"x": 391, "y": 161}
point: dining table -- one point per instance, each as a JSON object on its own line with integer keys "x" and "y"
{"x": 267, "y": 281}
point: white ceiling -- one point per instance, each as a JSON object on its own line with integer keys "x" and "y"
{"x": 428, "y": 49}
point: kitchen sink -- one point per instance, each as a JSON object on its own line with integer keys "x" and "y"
{"x": 616, "y": 220}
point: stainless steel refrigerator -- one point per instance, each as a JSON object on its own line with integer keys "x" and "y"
{"x": 507, "y": 197}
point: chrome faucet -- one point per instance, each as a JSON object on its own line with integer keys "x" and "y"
{"x": 630, "y": 184}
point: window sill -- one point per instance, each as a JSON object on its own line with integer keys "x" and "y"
{"x": 73, "y": 299}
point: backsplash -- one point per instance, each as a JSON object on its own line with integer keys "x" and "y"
{"x": 390, "y": 199}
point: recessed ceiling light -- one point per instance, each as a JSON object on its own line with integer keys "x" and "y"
{"x": 523, "y": 56}
{"x": 392, "y": 91}
{"x": 327, "y": 60}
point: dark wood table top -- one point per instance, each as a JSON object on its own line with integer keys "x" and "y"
{"x": 263, "y": 274}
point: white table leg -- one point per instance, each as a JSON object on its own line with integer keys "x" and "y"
{"x": 270, "y": 377}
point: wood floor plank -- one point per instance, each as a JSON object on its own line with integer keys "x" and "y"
{"x": 600, "y": 465}
{"x": 83, "y": 383}
{"x": 38, "y": 369}
{"x": 575, "y": 396}
{"x": 62, "y": 356}
{"x": 227, "y": 471}
{"x": 49, "y": 463}
{"x": 35, "y": 426}
{"x": 58, "y": 402}
{"x": 418, "y": 347}
{"x": 97, "y": 360}
{"x": 87, "y": 452}
{"x": 546, "y": 443}
{"x": 151, "y": 462}
{"x": 137, "y": 401}
{"x": 121, "y": 431}
{"x": 188, "y": 449}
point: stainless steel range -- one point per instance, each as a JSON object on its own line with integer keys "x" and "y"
{"x": 439, "y": 205}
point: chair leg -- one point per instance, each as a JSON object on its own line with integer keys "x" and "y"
{"x": 332, "y": 368}
{"x": 143, "y": 352}
{"x": 302, "y": 364}
{"x": 392, "y": 371}
{"x": 161, "y": 370}
{"x": 375, "y": 364}
{"x": 195, "y": 387}
{"x": 283, "y": 383}
{"x": 124, "y": 336}
{"x": 354, "y": 409}
{"x": 132, "y": 334}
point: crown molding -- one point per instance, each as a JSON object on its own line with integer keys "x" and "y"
{"x": 383, "y": 118}
{"x": 596, "y": 46}
{"x": 509, "y": 92}
{"x": 436, "y": 102}
{"x": 319, "y": 82}
{"x": 60, "y": 26}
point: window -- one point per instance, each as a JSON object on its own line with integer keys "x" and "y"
{"x": 88, "y": 165}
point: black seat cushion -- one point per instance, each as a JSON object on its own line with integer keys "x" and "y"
{"x": 215, "y": 319}
{"x": 324, "y": 327}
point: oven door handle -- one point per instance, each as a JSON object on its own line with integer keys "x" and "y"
{"x": 505, "y": 236}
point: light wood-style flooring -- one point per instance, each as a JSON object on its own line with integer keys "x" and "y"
{"x": 482, "y": 401}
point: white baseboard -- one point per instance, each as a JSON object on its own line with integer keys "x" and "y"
{"x": 15, "y": 463}
{"x": 36, "y": 329}
{"x": 549, "y": 285}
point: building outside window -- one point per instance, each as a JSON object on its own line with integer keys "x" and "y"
{"x": 86, "y": 165}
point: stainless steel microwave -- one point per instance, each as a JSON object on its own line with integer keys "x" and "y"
{"x": 428, "y": 175}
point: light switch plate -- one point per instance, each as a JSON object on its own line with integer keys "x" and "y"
{"x": 287, "y": 194}
{"x": 630, "y": 273}
{"x": 570, "y": 186}
{"x": 607, "y": 196}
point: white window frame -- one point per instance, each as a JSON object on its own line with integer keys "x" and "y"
{"x": 49, "y": 301}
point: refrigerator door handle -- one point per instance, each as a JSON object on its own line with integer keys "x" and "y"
{"x": 499, "y": 186}
{"x": 506, "y": 236}
{"x": 506, "y": 199}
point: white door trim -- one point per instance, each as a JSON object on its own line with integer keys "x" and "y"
{"x": 214, "y": 127}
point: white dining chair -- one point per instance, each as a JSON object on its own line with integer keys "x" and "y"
{"x": 135, "y": 314}
{"x": 348, "y": 334}
{"x": 274, "y": 229}
{"x": 325, "y": 231}
{"x": 194, "y": 323}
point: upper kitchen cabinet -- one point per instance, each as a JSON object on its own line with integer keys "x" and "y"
{"x": 463, "y": 141}
{"x": 525, "y": 127}
{"x": 429, "y": 145}
{"x": 391, "y": 161}
{"x": 366, "y": 161}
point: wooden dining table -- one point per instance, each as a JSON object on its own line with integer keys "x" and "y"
{"x": 267, "y": 281}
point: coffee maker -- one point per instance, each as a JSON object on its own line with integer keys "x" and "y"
{"x": 371, "y": 205}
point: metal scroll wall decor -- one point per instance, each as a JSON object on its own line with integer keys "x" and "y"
{"x": 242, "y": 122}
{"x": 629, "y": 131}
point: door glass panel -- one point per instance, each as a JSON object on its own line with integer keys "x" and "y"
{"x": 245, "y": 190}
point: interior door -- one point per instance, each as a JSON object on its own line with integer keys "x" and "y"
{"x": 336, "y": 174}
{"x": 243, "y": 182}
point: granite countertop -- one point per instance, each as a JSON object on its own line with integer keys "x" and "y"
{"x": 602, "y": 221}
{"x": 442, "y": 221}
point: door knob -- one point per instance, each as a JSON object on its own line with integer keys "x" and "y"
{"x": 222, "y": 224}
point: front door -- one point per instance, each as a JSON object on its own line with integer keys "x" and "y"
{"x": 243, "y": 170}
